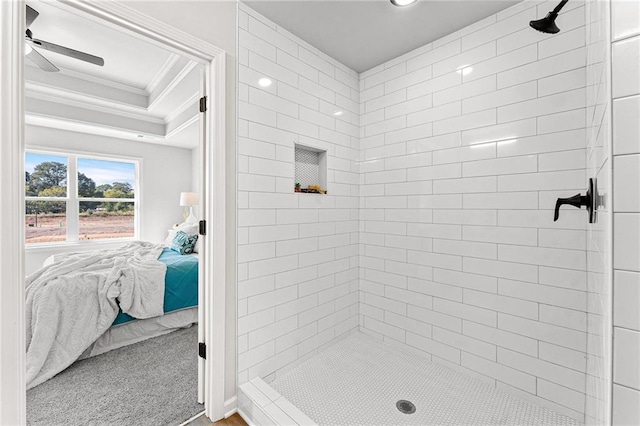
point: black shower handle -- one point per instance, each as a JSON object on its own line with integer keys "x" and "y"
{"x": 578, "y": 201}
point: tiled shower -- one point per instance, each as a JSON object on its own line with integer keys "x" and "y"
{"x": 436, "y": 235}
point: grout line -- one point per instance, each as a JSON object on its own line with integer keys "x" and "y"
{"x": 625, "y": 38}
{"x": 625, "y": 328}
{"x": 626, "y": 387}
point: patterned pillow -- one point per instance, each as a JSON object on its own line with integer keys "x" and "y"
{"x": 189, "y": 229}
{"x": 184, "y": 243}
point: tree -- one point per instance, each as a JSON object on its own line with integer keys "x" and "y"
{"x": 101, "y": 189}
{"x": 47, "y": 175}
{"x": 54, "y": 191}
{"x": 123, "y": 187}
{"x": 52, "y": 206}
{"x": 115, "y": 193}
{"x": 86, "y": 186}
{"x": 29, "y": 191}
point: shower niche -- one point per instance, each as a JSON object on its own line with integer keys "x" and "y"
{"x": 310, "y": 170}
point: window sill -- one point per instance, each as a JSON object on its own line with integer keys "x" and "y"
{"x": 67, "y": 246}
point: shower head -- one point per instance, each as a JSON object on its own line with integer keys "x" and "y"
{"x": 548, "y": 23}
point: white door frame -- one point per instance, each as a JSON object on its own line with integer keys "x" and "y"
{"x": 12, "y": 145}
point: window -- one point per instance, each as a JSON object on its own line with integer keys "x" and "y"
{"x": 74, "y": 198}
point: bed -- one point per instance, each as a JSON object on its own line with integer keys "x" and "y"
{"x": 180, "y": 307}
{"x": 83, "y": 304}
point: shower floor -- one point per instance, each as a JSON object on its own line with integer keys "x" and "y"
{"x": 358, "y": 381}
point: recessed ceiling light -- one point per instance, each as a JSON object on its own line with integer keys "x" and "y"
{"x": 27, "y": 49}
{"x": 402, "y": 2}
{"x": 264, "y": 82}
{"x": 338, "y": 113}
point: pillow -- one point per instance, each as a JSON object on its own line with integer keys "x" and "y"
{"x": 171, "y": 234}
{"x": 184, "y": 243}
{"x": 187, "y": 229}
{"x": 190, "y": 228}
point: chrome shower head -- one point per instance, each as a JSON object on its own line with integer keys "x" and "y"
{"x": 548, "y": 23}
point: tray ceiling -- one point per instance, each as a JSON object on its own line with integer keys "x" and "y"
{"x": 143, "y": 92}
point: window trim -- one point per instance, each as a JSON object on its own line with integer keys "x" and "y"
{"x": 72, "y": 200}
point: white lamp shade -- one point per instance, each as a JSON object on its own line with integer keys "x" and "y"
{"x": 188, "y": 199}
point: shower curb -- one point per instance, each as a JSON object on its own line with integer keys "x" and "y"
{"x": 261, "y": 405}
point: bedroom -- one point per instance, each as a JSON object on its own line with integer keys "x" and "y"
{"x": 130, "y": 132}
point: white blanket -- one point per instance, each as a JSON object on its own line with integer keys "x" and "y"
{"x": 72, "y": 301}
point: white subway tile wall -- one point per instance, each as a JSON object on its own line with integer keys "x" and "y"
{"x": 297, "y": 253}
{"x": 625, "y": 75}
{"x": 465, "y": 146}
{"x": 437, "y": 233}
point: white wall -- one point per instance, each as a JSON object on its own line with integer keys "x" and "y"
{"x": 625, "y": 86}
{"x": 297, "y": 253}
{"x": 460, "y": 171}
{"x": 160, "y": 188}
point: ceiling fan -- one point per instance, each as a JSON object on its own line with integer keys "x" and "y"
{"x": 43, "y": 62}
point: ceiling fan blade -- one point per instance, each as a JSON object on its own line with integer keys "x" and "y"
{"x": 41, "y": 61}
{"x": 68, "y": 52}
{"x": 32, "y": 14}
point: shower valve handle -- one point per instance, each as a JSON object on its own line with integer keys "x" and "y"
{"x": 578, "y": 201}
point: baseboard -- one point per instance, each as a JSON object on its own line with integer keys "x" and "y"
{"x": 246, "y": 418}
{"x": 230, "y": 406}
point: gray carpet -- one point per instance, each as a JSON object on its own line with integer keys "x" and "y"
{"x": 150, "y": 383}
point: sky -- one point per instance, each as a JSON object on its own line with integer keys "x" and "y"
{"x": 101, "y": 171}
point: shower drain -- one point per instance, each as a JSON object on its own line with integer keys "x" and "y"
{"x": 406, "y": 407}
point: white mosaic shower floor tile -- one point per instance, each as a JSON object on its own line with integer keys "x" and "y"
{"x": 358, "y": 381}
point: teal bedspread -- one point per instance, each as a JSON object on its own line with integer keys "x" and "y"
{"x": 180, "y": 283}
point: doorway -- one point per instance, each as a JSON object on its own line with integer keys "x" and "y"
{"x": 211, "y": 193}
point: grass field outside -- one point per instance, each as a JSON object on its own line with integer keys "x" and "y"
{"x": 49, "y": 227}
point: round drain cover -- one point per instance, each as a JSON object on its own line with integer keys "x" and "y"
{"x": 406, "y": 407}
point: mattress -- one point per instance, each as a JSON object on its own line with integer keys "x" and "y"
{"x": 180, "y": 284}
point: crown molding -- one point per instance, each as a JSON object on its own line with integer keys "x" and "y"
{"x": 98, "y": 80}
{"x": 187, "y": 117}
{"x": 191, "y": 102}
{"x": 97, "y": 93}
{"x": 65, "y": 86}
{"x": 170, "y": 83}
{"x": 80, "y": 114}
{"x": 159, "y": 76}
{"x": 64, "y": 96}
{"x": 91, "y": 106}
{"x": 56, "y": 123}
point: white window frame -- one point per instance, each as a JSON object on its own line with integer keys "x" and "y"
{"x": 73, "y": 201}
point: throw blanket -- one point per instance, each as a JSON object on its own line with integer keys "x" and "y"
{"x": 73, "y": 301}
